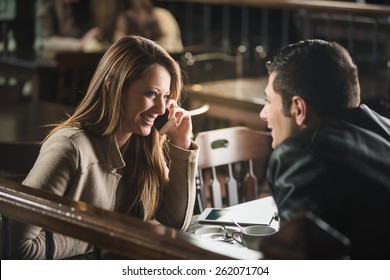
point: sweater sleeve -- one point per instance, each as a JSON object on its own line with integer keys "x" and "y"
{"x": 179, "y": 198}
{"x": 56, "y": 164}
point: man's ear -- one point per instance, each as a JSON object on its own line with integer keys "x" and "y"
{"x": 299, "y": 110}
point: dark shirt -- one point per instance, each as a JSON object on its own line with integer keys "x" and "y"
{"x": 339, "y": 169}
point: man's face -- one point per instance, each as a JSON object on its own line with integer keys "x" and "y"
{"x": 281, "y": 126}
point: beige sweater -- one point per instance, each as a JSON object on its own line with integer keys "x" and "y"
{"x": 84, "y": 168}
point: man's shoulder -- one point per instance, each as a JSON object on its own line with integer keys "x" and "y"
{"x": 341, "y": 131}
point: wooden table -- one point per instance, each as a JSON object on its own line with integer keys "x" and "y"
{"x": 265, "y": 204}
{"x": 25, "y": 122}
{"x": 32, "y": 67}
{"x": 121, "y": 234}
{"x": 22, "y": 129}
{"x": 239, "y": 101}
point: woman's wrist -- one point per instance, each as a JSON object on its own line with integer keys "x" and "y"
{"x": 183, "y": 144}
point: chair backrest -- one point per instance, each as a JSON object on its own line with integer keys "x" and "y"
{"x": 17, "y": 159}
{"x": 232, "y": 164}
{"x": 9, "y": 95}
{"x": 75, "y": 70}
{"x": 204, "y": 67}
{"x": 198, "y": 116}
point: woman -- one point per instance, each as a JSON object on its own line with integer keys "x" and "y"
{"x": 141, "y": 17}
{"x": 66, "y": 25}
{"x": 109, "y": 154}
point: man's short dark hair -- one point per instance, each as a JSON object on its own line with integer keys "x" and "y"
{"x": 320, "y": 72}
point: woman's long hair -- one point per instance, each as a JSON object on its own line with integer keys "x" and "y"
{"x": 101, "y": 113}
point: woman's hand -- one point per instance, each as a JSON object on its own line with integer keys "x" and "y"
{"x": 180, "y": 133}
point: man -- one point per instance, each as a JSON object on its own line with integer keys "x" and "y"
{"x": 331, "y": 154}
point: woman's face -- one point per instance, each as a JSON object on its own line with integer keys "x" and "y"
{"x": 145, "y": 99}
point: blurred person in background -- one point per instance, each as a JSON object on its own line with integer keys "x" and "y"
{"x": 69, "y": 25}
{"x": 141, "y": 17}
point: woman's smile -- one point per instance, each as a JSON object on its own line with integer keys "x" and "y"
{"x": 144, "y": 100}
{"x": 148, "y": 118}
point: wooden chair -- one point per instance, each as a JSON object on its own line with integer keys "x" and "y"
{"x": 198, "y": 116}
{"x": 203, "y": 67}
{"x": 17, "y": 159}
{"x": 75, "y": 70}
{"x": 232, "y": 164}
{"x": 9, "y": 95}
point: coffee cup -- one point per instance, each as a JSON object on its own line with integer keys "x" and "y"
{"x": 252, "y": 236}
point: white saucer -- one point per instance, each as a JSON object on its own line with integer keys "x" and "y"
{"x": 215, "y": 232}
